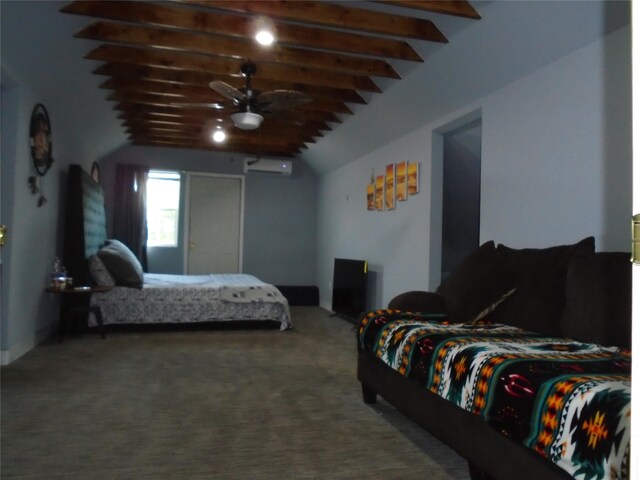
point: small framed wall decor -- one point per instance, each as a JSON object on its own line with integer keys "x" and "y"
{"x": 40, "y": 139}
{"x": 401, "y": 181}
{"x": 413, "y": 178}
{"x": 371, "y": 193}
{"x": 41, "y": 150}
{"x": 380, "y": 192}
{"x": 390, "y": 187}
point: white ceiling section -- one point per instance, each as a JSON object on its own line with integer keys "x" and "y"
{"x": 512, "y": 39}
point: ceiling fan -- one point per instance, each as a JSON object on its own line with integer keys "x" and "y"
{"x": 252, "y": 104}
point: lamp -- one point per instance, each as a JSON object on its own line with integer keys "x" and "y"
{"x": 246, "y": 120}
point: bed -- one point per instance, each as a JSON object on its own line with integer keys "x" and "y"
{"x": 144, "y": 298}
{"x": 193, "y": 298}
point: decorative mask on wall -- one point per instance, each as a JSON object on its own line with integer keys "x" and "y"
{"x": 41, "y": 149}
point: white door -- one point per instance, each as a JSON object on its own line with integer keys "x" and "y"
{"x": 214, "y": 230}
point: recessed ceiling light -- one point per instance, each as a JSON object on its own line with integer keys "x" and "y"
{"x": 219, "y": 135}
{"x": 265, "y": 37}
{"x": 264, "y": 31}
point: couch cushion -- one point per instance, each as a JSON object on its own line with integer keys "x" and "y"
{"x": 598, "y": 300}
{"x": 538, "y": 302}
{"x": 122, "y": 264}
{"x": 476, "y": 285}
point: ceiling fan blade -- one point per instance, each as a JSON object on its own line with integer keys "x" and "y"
{"x": 227, "y": 91}
{"x": 214, "y": 105}
{"x": 282, "y": 99}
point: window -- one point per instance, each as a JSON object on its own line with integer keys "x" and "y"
{"x": 163, "y": 208}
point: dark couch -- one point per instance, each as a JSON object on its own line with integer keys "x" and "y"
{"x": 562, "y": 291}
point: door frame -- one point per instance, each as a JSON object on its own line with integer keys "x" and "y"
{"x": 187, "y": 207}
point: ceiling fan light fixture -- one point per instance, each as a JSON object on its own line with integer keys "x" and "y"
{"x": 246, "y": 120}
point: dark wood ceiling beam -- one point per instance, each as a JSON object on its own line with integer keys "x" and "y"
{"x": 196, "y": 140}
{"x": 181, "y": 123}
{"x": 458, "y": 8}
{"x": 161, "y": 112}
{"x": 313, "y": 127}
{"x": 122, "y": 72}
{"x": 332, "y": 15}
{"x": 212, "y": 65}
{"x": 232, "y": 148}
{"x": 138, "y": 93}
{"x": 217, "y": 45}
{"x": 128, "y": 106}
{"x": 238, "y": 25}
{"x": 309, "y": 129}
{"x": 267, "y": 128}
{"x": 182, "y": 91}
{"x": 223, "y": 147}
{"x": 232, "y": 137}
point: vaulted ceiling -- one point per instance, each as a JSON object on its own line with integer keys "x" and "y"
{"x": 159, "y": 58}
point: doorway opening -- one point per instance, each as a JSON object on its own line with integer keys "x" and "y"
{"x": 455, "y": 194}
{"x": 460, "y": 194}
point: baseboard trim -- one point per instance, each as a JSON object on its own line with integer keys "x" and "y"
{"x": 16, "y": 351}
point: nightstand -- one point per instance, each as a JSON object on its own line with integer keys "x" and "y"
{"x": 76, "y": 300}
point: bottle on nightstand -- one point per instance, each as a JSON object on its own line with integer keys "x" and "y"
{"x": 58, "y": 274}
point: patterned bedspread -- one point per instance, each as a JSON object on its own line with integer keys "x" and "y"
{"x": 193, "y": 298}
{"x": 568, "y": 401}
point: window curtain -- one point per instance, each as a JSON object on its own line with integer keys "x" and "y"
{"x": 130, "y": 209}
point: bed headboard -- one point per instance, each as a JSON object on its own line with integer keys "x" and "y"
{"x": 85, "y": 226}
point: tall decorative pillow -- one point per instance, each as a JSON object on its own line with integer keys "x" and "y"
{"x": 538, "y": 302}
{"x": 476, "y": 286}
{"x": 122, "y": 264}
{"x": 99, "y": 272}
{"x": 598, "y": 300}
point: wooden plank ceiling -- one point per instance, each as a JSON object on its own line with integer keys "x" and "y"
{"x": 158, "y": 60}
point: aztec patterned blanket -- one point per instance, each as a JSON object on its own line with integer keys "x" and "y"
{"x": 568, "y": 401}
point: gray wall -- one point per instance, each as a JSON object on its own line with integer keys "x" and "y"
{"x": 279, "y": 212}
{"x": 556, "y": 167}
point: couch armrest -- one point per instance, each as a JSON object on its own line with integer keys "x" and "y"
{"x": 418, "y": 301}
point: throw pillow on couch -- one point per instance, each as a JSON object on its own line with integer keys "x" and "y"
{"x": 520, "y": 287}
{"x": 538, "y": 303}
{"x": 477, "y": 285}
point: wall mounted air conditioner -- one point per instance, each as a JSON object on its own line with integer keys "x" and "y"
{"x": 268, "y": 165}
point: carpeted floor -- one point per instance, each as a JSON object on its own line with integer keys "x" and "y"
{"x": 208, "y": 404}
